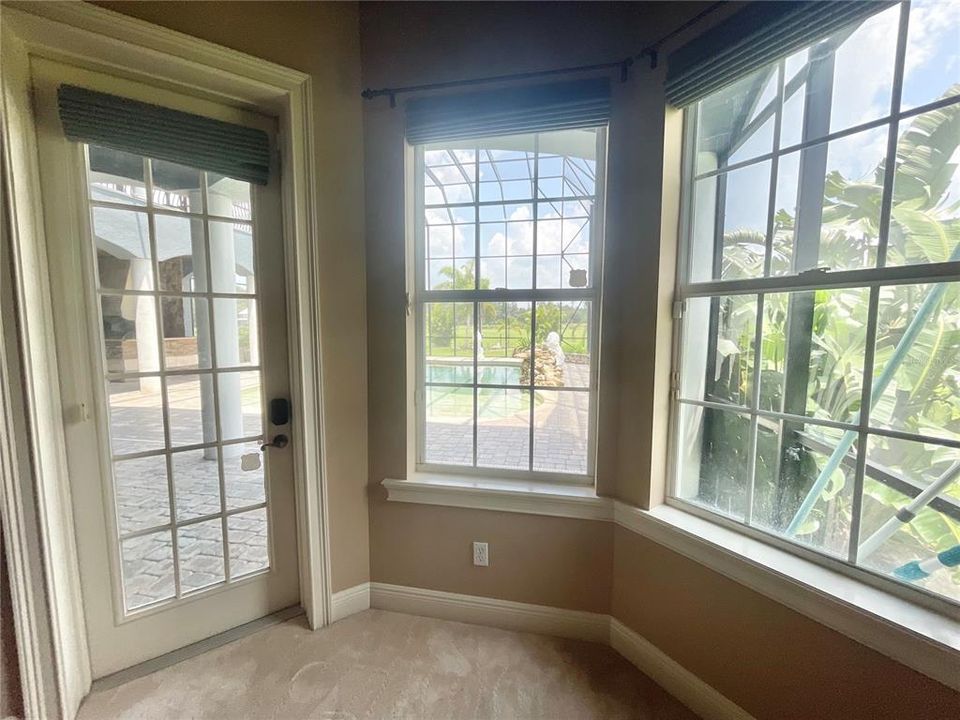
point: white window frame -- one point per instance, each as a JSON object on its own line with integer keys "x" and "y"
{"x": 816, "y": 279}
{"x": 591, "y": 293}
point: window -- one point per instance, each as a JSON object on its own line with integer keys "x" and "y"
{"x": 507, "y": 303}
{"x": 817, "y": 383}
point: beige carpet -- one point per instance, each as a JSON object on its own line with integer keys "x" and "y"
{"x": 388, "y": 665}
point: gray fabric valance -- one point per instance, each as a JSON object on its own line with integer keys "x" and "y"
{"x": 510, "y": 111}
{"x": 757, "y": 35}
{"x": 157, "y": 132}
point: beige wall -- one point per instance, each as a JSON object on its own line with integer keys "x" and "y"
{"x": 774, "y": 662}
{"x": 320, "y": 39}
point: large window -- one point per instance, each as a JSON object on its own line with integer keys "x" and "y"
{"x": 507, "y": 303}
{"x": 818, "y": 355}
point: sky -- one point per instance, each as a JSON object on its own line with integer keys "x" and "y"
{"x": 861, "y": 92}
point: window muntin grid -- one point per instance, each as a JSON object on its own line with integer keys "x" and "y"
{"x": 189, "y": 414}
{"x": 736, "y": 309}
{"x": 486, "y": 204}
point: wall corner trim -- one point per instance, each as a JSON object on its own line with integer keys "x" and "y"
{"x": 686, "y": 687}
{"x": 350, "y": 601}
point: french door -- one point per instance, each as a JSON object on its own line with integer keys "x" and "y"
{"x": 169, "y": 306}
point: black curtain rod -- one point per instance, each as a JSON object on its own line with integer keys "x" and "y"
{"x": 651, "y": 51}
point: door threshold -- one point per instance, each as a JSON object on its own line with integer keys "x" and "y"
{"x": 108, "y": 682}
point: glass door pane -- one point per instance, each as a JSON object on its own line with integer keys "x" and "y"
{"x": 176, "y": 282}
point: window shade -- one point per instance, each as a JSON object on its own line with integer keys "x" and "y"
{"x": 755, "y": 36}
{"x": 123, "y": 124}
{"x": 559, "y": 106}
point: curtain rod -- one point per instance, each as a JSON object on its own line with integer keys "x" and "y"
{"x": 651, "y": 51}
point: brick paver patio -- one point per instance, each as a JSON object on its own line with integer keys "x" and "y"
{"x": 142, "y": 497}
{"x": 503, "y": 432}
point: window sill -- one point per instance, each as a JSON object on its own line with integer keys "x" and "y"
{"x": 535, "y": 498}
{"x": 916, "y": 637}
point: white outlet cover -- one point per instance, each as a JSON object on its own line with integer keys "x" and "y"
{"x": 481, "y": 554}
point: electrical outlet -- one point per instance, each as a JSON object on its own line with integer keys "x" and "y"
{"x": 481, "y": 555}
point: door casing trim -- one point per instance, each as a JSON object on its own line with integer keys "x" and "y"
{"x": 92, "y": 37}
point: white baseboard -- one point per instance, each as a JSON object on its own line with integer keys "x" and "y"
{"x": 490, "y": 611}
{"x": 689, "y": 689}
{"x": 350, "y": 601}
{"x": 647, "y": 657}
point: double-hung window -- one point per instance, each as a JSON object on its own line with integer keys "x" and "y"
{"x": 818, "y": 352}
{"x": 507, "y": 302}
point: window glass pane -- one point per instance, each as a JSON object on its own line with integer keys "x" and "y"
{"x": 196, "y": 483}
{"x": 190, "y": 409}
{"x": 450, "y": 249}
{"x": 925, "y": 217}
{"x": 200, "y": 548}
{"x": 506, "y": 168}
{"x": 181, "y": 254}
{"x": 243, "y": 475}
{"x": 504, "y": 340}
{"x": 140, "y": 488}
{"x": 902, "y": 532}
{"x": 813, "y": 352}
{"x": 724, "y": 116}
{"x": 730, "y": 224}
{"x": 503, "y": 428}
{"x": 563, "y": 243}
{"x": 222, "y": 190}
{"x": 798, "y": 463}
{"x": 124, "y": 257}
{"x": 831, "y": 217}
{"x": 186, "y": 330}
{"x": 130, "y": 343}
{"x": 116, "y": 176}
{"x": 562, "y": 357}
{"x": 567, "y": 163}
{"x": 176, "y": 187}
{"x": 231, "y": 257}
{"x": 718, "y": 346}
{"x": 450, "y": 174}
{"x": 714, "y": 466}
{"x": 561, "y": 422}
{"x": 506, "y": 248}
{"x": 448, "y": 437}
{"x": 240, "y": 405}
{"x": 862, "y": 70}
{"x": 249, "y": 549}
{"x": 136, "y": 415}
{"x": 916, "y": 371}
{"x": 794, "y": 98}
{"x": 931, "y": 70}
{"x": 448, "y": 341}
{"x": 147, "y": 569}
{"x": 237, "y": 327}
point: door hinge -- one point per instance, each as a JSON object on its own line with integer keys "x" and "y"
{"x": 678, "y": 309}
{"x": 409, "y": 304}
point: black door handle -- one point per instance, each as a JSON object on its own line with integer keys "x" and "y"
{"x": 279, "y": 441}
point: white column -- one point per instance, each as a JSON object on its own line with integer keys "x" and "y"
{"x": 145, "y": 323}
{"x": 223, "y": 269}
{"x": 254, "y": 323}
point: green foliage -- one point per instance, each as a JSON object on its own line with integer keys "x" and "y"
{"x": 924, "y": 394}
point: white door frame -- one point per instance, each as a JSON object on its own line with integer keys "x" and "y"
{"x": 36, "y": 495}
